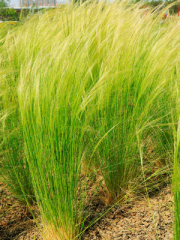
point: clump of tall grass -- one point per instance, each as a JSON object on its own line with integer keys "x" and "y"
{"x": 92, "y": 85}
{"x": 131, "y": 96}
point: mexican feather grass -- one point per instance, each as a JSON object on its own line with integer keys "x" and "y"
{"x": 90, "y": 85}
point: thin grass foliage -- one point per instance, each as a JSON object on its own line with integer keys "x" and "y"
{"x": 88, "y": 88}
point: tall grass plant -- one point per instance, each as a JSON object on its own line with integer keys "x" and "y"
{"x": 91, "y": 85}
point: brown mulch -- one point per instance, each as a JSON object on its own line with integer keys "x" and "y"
{"x": 142, "y": 219}
{"x": 135, "y": 220}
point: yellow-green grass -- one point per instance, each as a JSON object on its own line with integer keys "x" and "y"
{"x": 91, "y": 85}
{"x": 5, "y": 27}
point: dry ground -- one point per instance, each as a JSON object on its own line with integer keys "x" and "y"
{"x": 141, "y": 219}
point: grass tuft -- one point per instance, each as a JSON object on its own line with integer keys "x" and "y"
{"x": 91, "y": 86}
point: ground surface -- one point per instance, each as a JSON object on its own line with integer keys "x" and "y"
{"x": 133, "y": 220}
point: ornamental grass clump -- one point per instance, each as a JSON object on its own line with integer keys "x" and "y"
{"x": 91, "y": 85}
{"x": 130, "y": 100}
{"x": 53, "y": 81}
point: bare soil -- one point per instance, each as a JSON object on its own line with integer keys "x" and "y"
{"x": 142, "y": 219}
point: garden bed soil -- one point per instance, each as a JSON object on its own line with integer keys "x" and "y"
{"x": 142, "y": 219}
